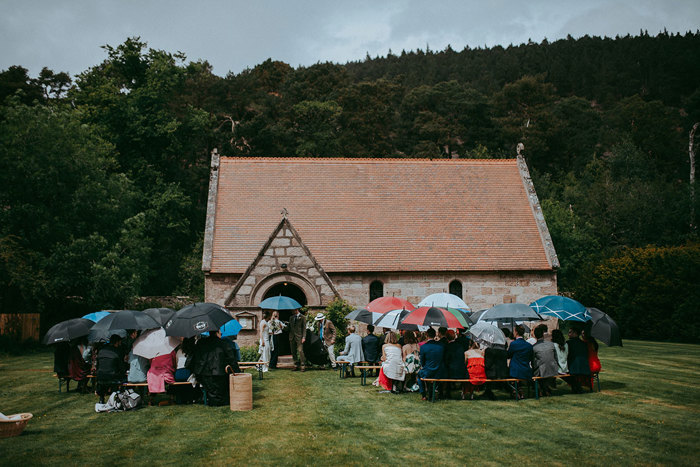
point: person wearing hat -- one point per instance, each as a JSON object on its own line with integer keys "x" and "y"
{"x": 326, "y": 331}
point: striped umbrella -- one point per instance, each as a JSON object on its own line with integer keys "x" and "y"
{"x": 432, "y": 316}
{"x": 392, "y": 320}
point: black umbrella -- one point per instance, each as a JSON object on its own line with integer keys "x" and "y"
{"x": 119, "y": 321}
{"x": 161, "y": 315}
{"x": 363, "y": 315}
{"x": 67, "y": 330}
{"x": 604, "y": 328}
{"x": 197, "y": 318}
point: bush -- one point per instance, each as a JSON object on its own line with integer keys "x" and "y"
{"x": 249, "y": 353}
{"x": 652, "y": 292}
{"x": 336, "y": 311}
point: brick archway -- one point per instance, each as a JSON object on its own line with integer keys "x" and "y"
{"x": 312, "y": 296}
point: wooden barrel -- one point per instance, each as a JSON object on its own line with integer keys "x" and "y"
{"x": 241, "y": 391}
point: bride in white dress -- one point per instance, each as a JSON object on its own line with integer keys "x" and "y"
{"x": 265, "y": 340}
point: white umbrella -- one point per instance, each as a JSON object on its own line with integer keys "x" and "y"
{"x": 443, "y": 300}
{"x": 392, "y": 320}
{"x": 154, "y": 343}
{"x": 487, "y": 333}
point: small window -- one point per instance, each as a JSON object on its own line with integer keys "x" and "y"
{"x": 456, "y": 288}
{"x": 376, "y": 290}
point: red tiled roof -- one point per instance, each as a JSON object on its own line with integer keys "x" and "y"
{"x": 379, "y": 214}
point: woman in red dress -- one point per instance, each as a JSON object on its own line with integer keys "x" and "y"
{"x": 476, "y": 369}
{"x": 593, "y": 360}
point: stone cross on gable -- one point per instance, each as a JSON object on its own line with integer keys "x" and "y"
{"x": 284, "y": 213}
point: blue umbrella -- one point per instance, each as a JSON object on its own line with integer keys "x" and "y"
{"x": 279, "y": 303}
{"x": 96, "y": 316}
{"x": 564, "y": 308}
{"x": 231, "y": 328}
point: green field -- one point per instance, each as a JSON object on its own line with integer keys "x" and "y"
{"x": 644, "y": 415}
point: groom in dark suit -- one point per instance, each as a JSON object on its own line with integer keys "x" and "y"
{"x": 297, "y": 337}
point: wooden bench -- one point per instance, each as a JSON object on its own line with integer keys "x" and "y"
{"x": 68, "y": 379}
{"x": 256, "y": 365}
{"x": 364, "y": 369}
{"x": 536, "y": 379}
{"x": 511, "y": 382}
{"x": 139, "y": 388}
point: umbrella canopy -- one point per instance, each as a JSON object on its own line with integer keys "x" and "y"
{"x": 363, "y": 315}
{"x": 564, "y": 308}
{"x": 67, "y": 330}
{"x": 120, "y": 320}
{"x": 604, "y": 328}
{"x": 510, "y": 311}
{"x": 461, "y": 316}
{"x": 97, "y": 315}
{"x": 154, "y": 343}
{"x": 279, "y": 303}
{"x": 488, "y": 334}
{"x": 443, "y": 300}
{"x": 392, "y": 320}
{"x": 474, "y": 316}
{"x": 432, "y": 316}
{"x": 196, "y": 318}
{"x": 232, "y": 328}
{"x": 161, "y": 315}
{"x": 386, "y": 304}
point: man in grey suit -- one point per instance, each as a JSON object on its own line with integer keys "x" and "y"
{"x": 544, "y": 360}
{"x": 297, "y": 337}
{"x": 353, "y": 349}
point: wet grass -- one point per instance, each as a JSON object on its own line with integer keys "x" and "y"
{"x": 645, "y": 414}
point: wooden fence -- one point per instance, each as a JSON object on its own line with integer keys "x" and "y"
{"x": 23, "y": 326}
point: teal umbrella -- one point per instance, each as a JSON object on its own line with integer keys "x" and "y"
{"x": 279, "y": 303}
{"x": 564, "y": 308}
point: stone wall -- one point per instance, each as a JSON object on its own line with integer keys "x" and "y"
{"x": 479, "y": 290}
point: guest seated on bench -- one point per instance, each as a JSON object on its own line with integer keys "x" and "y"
{"x": 138, "y": 367}
{"x": 353, "y": 350}
{"x": 579, "y": 368}
{"x": 454, "y": 362}
{"x": 477, "y": 369}
{"x": 593, "y": 361}
{"x": 370, "y": 348}
{"x": 562, "y": 351}
{"x": 411, "y": 359}
{"x": 432, "y": 355}
{"x": 520, "y": 354}
{"x": 208, "y": 362}
{"x": 111, "y": 368}
{"x": 496, "y": 366}
{"x": 162, "y": 371}
{"x": 544, "y": 360}
{"x": 393, "y": 372}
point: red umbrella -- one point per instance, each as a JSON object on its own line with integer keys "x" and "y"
{"x": 386, "y": 304}
{"x": 432, "y": 316}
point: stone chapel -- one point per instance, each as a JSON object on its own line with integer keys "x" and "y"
{"x": 317, "y": 228}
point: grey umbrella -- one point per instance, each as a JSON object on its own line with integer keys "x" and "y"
{"x": 67, "y": 330}
{"x": 120, "y": 321}
{"x": 510, "y": 311}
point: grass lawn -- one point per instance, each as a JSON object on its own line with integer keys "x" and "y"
{"x": 644, "y": 415}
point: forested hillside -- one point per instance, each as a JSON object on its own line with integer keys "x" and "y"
{"x": 104, "y": 176}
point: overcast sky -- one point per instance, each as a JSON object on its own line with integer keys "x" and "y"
{"x": 66, "y": 35}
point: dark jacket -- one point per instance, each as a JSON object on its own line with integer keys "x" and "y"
{"x": 578, "y": 357}
{"x": 455, "y": 361}
{"x": 520, "y": 353}
{"x": 111, "y": 366}
{"x": 496, "y": 363}
{"x": 432, "y": 355}
{"x": 370, "y": 347}
{"x": 210, "y": 357}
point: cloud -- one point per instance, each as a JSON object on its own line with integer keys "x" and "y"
{"x": 232, "y": 35}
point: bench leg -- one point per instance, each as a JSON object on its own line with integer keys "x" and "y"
{"x": 363, "y": 376}
{"x": 432, "y": 393}
{"x": 537, "y": 391}
{"x": 597, "y": 380}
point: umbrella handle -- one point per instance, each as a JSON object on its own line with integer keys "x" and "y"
{"x": 229, "y": 369}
